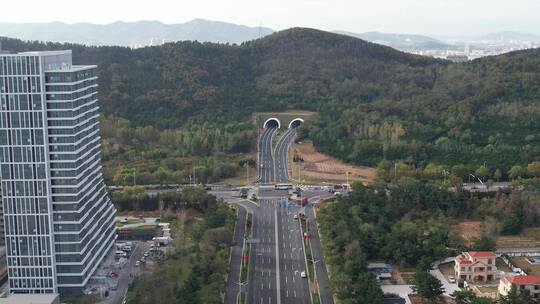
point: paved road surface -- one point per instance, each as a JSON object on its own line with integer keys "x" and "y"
{"x": 262, "y": 274}
{"x": 294, "y": 289}
{"x": 277, "y": 254}
{"x": 266, "y": 160}
{"x": 126, "y": 275}
{"x": 282, "y": 149}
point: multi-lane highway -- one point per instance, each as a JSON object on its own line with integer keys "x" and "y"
{"x": 277, "y": 258}
{"x": 294, "y": 288}
{"x": 266, "y": 160}
{"x": 282, "y": 149}
{"x": 263, "y": 274}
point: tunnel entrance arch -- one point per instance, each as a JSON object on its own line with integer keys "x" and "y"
{"x": 284, "y": 120}
{"x": 296, "y": 122}
{"x": 272, "y": 122}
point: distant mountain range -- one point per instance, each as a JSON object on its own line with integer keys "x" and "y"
{"x": 144, "y": 33}
{"x": 139, "y": 33}
{"x": 400, "y": 41}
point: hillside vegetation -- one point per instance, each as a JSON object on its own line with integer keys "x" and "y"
{"x": 373, "y": 102}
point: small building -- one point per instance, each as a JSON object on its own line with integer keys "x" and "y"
{"x": 161, "y": 240}
{"x": 44, "y": 298}
{"x": 475, "y": 266}
{"x": 382, "y": 271}
{"x": 522, "y": 282}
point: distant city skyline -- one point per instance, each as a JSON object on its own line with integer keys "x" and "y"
{"x": 426, "y": 17}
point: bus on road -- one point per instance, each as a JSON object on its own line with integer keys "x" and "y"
{"x": 283, "y": 186}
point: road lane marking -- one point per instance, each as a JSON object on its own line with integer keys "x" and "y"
{"x": 277, "y": 257}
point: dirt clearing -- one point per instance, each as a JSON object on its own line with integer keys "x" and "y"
{"x": 317, "y": 167}
{"x": 468, "y": 229}
{"x": 529, "y": 237}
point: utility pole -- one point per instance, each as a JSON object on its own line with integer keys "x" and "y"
{"x": 247, "y": 173}
{"x": 299, "y": 174}
{"x": 445, "y": 173}
{"x": 315, "y": 273}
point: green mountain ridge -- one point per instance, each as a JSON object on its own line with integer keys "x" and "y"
{"x": 373, "y": 101}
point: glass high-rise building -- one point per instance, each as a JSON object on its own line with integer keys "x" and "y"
{"x": 59, "y": 220}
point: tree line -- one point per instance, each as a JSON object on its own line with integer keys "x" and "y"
{"x": 411, "y": 223}
{"x": 194, "y": 272}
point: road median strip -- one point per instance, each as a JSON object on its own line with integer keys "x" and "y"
{"x": 310, "y": 267}
{"x": 244, "y": 260}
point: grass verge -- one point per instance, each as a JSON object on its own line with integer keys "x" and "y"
{"x": 310, "y": 264}
{"x": 244, "y": 268}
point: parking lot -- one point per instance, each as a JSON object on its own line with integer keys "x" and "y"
{"x": 115, "y": 274}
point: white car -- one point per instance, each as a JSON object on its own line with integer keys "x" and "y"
{"x": 137, "y": 264}
{"x": 296, "y": 216}
{"x": 451, "y": 279}
{"x": 303, "y": 274}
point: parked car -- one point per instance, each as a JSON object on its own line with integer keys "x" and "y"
{"x": 303, "y": 274}
{"x": 295, "y": 216}
{"x": 451, "y": 279}
{"x": 137, "y": 264}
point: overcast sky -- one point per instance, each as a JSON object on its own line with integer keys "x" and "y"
{"x": 435, "y": 17}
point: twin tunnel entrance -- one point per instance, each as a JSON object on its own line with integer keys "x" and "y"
{"x": 273, "y": 122}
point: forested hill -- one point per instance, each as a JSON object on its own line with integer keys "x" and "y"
{"x": 483, "y": 112}
{"x": 174, "y": 84}
{"x": 373, "y": 102}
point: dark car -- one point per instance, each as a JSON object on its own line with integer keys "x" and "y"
{"x": 390, "y": 298}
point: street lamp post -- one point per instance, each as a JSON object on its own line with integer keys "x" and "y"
{"x": 312, "y": 260}
{"x": 247, "y": 173}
